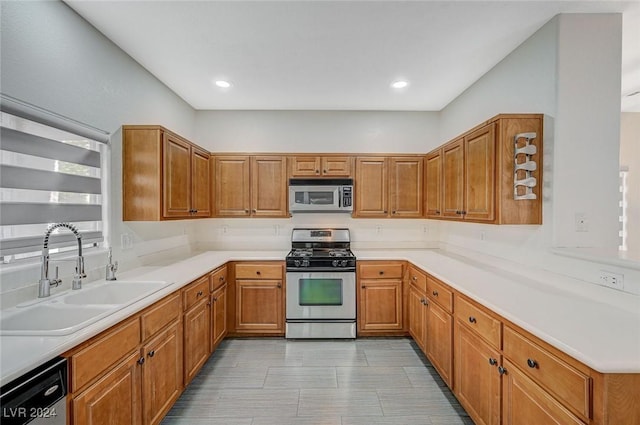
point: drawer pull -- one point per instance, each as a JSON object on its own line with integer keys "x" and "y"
{"x": 199, "y": 294}
{"x": 472, "y": 319}
{"x": 279, "y": 285}
{"x": 501, "y": 370}
{"x": 141, "y": 360}
{"x": 258, "y": 272}
{"x": 414, "y": 278}
{"x": 221, "y": 279}
{"x": 492, "y": 361}
{"x": 381, "y": 272}
{"x": 532, "y": 363}
{"x": 152, "y": 353}
{"x": 435, "y": 293}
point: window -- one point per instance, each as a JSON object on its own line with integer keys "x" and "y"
{"x": 48, "y": 175}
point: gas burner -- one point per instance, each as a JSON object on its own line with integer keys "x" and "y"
{"x": 340, "y": 253}
{"x": 302, "y": 252}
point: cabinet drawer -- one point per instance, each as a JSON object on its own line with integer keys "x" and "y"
{"x": 218, "y": 278}
{"x": 440, "y": 293}
{"x": 98, "y": 356}
{"x": 258, "y": 271}
{"x": 555, "y": 375}
{"x": 479, "y": 321}
{"x": 418, "y": 279}
{"x": 195, "y": 292}
{"x": 160, "y": 315}
{"x": 380, "y": 271}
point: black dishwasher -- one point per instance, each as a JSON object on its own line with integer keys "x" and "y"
{"x": 37, "y": 397}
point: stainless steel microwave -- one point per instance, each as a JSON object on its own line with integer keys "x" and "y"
{"x": 320, "y": 195}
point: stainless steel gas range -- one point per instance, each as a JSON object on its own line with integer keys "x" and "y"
{"x": 321, "y": 285}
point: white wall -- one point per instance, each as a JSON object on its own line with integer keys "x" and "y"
{"x": 630, "y": 158}
{"x": 54, "y": 59}
{"x": 316, "y": 131}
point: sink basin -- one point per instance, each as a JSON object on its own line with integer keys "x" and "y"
{"x": 53, "y": 318}
{"x": 116, "y": 292}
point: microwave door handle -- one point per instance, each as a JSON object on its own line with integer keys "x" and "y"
{"x": 339, "y": 197}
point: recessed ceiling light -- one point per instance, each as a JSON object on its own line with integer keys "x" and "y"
{"x": 399, "y": 84}
{"x": 223, "y": 84}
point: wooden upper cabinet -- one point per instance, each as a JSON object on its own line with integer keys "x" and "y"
{"x": 389, "y": 186}
{"x": 371, "y": 187}
{"x": 269, "y": 186}
{"x": 232, "y": 183}
{"x": 433, "y": 185}
{"x": 176, "y": 177}
{"x": 406, "y": 187}
{"x": 164, "y": 176}
{"x": 320, "y": 166}
{"x": 479, "y": 174}
{"x": 250, "y": 186}
{"x": 453, "y": 179}
{"x": 201, "y": 183}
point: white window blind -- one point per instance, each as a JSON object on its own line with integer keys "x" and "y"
{"x": 47, "y": 175}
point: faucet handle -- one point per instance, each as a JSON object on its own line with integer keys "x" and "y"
{"x": 55, "y": 281}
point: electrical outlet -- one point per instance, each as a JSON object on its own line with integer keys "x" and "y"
{"x": 612, "y": 280}
{"x": 126, "y": 241}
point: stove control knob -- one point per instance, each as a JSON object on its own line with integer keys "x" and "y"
{"x": 305, "y": 263}
{"x": 297, "y": 263}
{"x": 343, "y": 263}
{"x": 334, "y": 263}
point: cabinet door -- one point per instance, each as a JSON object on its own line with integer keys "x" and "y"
{"x": 405, "y": 187}
{"x": 218, "y": 316}
{"x": 479, "y": 174}
{"x": 269, "y": 186}
{"x": 176, "y": 172}
{"x": 201, "y": 183}
{"x": 336, "y": 166}
{"x": 417, "y": 317}
{"x": 524, "y": 402}
{"x": 232, "y": 195}
{"x": 433, "y": 193}
{"x": 380, "y": 305}
{"x": 477, "y": 381}
{"x": 453, "y": 179}
{"x": 114, "y": 399}
{"x": 371, "y": 187}
{"x": 161, "y": 374}
{"x": 259, "y": 306}
{"x": 304, "y": 166}
{"x": 196, "y": 339}
{"x": 440, "y": 340}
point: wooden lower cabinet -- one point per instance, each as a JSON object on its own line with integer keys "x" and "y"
{"x": 525, "y": 403}
{"x": 417, "y": 317}
{"x": 439, "y": 341}
{"x": 380, "y": 305}
{"x": 196, "y": 338}
{"x": 161, "y": 374}
{"x": 477, "y": 380}
{"x": 218, "y": 316}
{"x": 260, "y": 306}
{"x": 114, "y": 399}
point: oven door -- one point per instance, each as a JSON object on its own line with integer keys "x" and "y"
{"x": 321, "y": 295}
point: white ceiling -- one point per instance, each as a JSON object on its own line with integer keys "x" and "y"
{"x": 335, "y": 55}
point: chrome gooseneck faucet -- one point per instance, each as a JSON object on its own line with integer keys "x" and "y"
{"x": 44, "y": 289}
{"x": 111, "y": 268}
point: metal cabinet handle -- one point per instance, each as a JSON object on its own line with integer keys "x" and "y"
{"x": 493, "y": 361}
{"x": 414, "y": 278}
{"x": 437, "y": 211}
{"x": 317, "y": 171}
{"x": 246, "y": 211}
{"x": 221, "y": 279}
{"x": 502, "y": 370}
{"x": 258, "y": 272}
{"x": 393, "y": 212}
{"x": 385, "y": 211}
{"x": 255, "y": 211}
{"x": 435, "y": 293}
{"x": 215, "y": 299}
{"x": 279, "y": 285}
{"x": 152, "y": 353}
{"x": 199, "y": 294}
{"x": 381, "y": 272}
{"x": 532, "y": 363}
{"x": 472, "y": 319}
{"x": 324, "y": 171}
{"x": 363, "y": 287}
{"x": 141, "y": 360}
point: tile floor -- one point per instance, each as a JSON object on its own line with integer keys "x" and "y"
{"x": 317, "y": 382}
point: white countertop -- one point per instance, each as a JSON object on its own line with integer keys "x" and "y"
{"x": 601, "y": 329}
